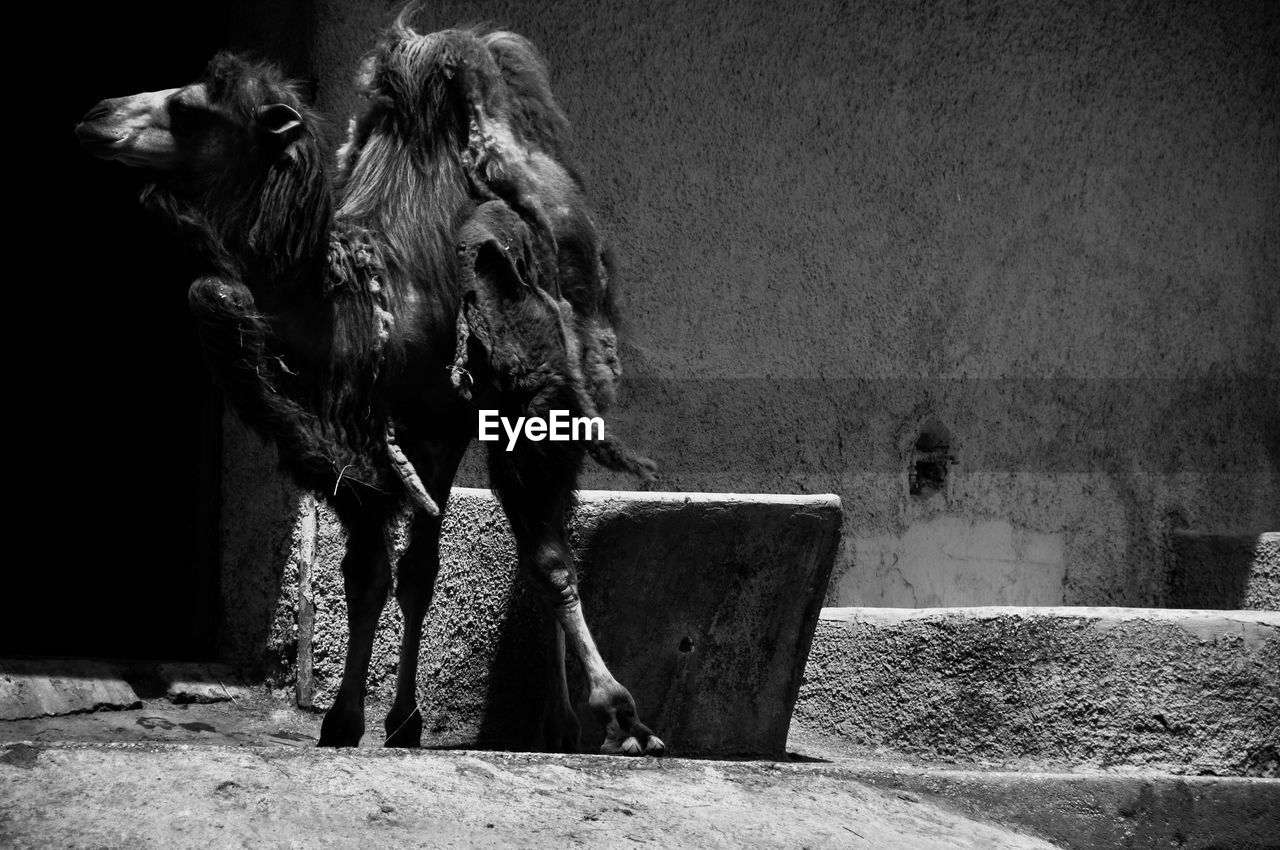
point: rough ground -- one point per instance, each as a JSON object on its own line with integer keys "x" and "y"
{"x": 167, "y": 795}
{"x": 245, "y": 773}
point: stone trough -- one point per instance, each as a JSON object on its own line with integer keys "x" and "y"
{"x": 704, "y": 605}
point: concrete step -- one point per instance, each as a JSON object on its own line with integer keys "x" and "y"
{"x": 1141, "y": 810}
{"x": 37, "y": 688}
{"x": 156, "y": 795}
{"x": 1187, "y": 692}
{"x": 1234, "y": 570}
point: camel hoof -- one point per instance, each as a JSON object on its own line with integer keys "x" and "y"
{"x": 627, "y": 747}
{"x": 341, "y": 728}
{"x": 624, "y": 733}
{"x": 631, "y": 746}
{"x": 405, "y": 733}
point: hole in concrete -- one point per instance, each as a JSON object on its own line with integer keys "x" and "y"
{"x": 932, "y": 459}
{"x": 686, "y": 645}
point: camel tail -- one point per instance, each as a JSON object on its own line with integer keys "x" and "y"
{"x": 611, "y": 453}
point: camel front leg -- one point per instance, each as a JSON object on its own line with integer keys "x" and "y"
{"x": 436, "y": 462}
{"x": 535, "y": 484}
{"x": 366, "y": 575}
{"x": 609, "y": 700}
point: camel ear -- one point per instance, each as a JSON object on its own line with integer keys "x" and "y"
{"x": 280, "y": 120}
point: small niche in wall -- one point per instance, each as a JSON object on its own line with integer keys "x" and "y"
{"x": 931, "y": 460}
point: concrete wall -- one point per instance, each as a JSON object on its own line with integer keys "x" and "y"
{"x": 1049, "y": 226}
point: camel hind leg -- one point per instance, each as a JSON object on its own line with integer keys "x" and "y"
{"x": 535, "y": 483}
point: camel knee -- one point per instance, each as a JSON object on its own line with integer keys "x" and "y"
{"x": 365, "y": 603}
{"x": 418, "y": 567}
{"x": 379, "y": 587}
{"x": 214, "y": 295}
{"x": 367, "y": 583}
{"x": 550, "y": 569}
{"x": 414, "y": 586}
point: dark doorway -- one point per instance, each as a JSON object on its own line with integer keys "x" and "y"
{"x": 113, "y": 477}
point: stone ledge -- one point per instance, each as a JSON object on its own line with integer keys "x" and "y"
{"x": 1101, "y": 811}
{"x": 52, "y": 687}
{"x": 32, "y": 688}
{"x": 1050, "y": 688}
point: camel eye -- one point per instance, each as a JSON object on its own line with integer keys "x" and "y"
{"x": 185, "y": 117}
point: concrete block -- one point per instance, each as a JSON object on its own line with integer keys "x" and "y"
{"x": 1051, "y": 688}
{"x": 47, "y": 688}
{"x": 1225, "y": 571}
{"x": 702, "y": 604}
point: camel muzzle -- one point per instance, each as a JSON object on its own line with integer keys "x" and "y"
{"x": 132, "y": 130}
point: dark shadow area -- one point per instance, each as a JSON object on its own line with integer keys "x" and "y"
{"x": 712, "y": 645}
{"x": 521, "y": 702}
{"x": 116, "y": 442}
{"x": 1210, "y": 571}
{"x": 932, "y": 459}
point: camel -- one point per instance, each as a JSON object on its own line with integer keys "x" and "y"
{"x": 360, "y": 321}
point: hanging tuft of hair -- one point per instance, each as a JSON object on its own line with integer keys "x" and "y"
{"x": 294, "y": 209}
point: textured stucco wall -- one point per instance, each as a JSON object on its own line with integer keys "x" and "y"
{"x": 1056, "y": 688}
{"x": 1050, "y": 225}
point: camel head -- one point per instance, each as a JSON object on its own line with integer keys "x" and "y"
{"x": 234, "y": 155}
{"x": 234, "y": 109}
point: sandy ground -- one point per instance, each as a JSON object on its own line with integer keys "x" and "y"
{"x": 246, "y": 773}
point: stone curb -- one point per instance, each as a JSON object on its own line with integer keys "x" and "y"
{"x": 49, "y": 687}
{"x": 1100, "y": 811}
